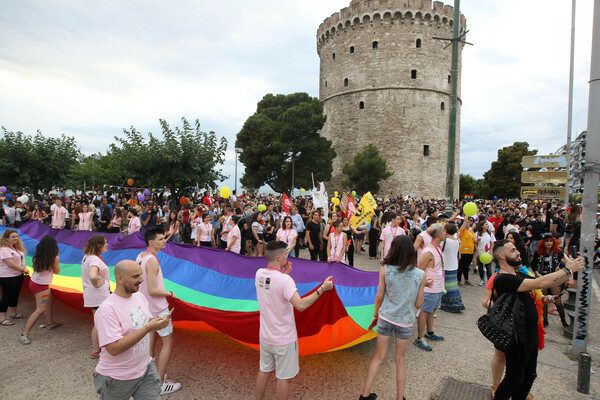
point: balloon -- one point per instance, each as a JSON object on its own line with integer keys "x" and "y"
{"x": 485, "y": 258}
{"x": 353, "y": 193}
{"x": 184, "y": 200}
{"x": 8, "y": 196}
{"x": 225, "y": 192}
{"x": 495, "y": 197}
{"x": 302, "y": 190}
{"x": 147, "y": 192}
{"x": 335, "y": 194}
{"x": 23, "y": 199}
{"x": 335, "y": 200}
{"x": 3, "y": 189}
{"x": 141, "y": 197}
{"x": 130, "y": 182}
{"x": 470, "y": 209}
{"x": 261, "y": 207}
{"x": 535, "y": 201}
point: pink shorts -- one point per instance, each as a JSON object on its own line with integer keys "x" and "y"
{"x": 36, "y": 287}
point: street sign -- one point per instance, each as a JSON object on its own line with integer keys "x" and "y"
{"x": 556, "y": 177}
{"x": 549, "y": 161}
{"x": 543, "y": 192}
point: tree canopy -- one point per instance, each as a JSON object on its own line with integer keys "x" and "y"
{"x": 367, "y": 170}
{"x": 504, "y": 177}
{"x": 284, "y": 132}
{"x": 36, "y": 161}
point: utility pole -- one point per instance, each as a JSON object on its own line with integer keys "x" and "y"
{"x": 590, "y": 206}
{"x": 570, "y": 111}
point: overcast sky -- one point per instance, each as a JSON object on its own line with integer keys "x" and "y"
{"x": 90, "y": 69}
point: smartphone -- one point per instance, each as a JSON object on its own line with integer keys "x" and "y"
{"x": 170, "y": 312}
{"x": 573, "y": 251}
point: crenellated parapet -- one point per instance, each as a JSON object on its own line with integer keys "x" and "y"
{"x": 372, "y": 13}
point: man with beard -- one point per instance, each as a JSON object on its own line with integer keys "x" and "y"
{"x": 123, "y": 321}
{"x": 521, "y": 357}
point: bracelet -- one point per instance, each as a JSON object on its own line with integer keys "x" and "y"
{"x": 171, "y": 293}
{"x": 567, "y": 271}
{"x": 146, "y": 326}
{"x": 317, "y": 292}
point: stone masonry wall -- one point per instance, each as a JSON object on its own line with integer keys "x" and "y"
{"x": 371, "y": 94}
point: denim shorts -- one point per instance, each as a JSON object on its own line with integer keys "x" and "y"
{"x": 431, "y": 301}
{"x": 386, "y": 328}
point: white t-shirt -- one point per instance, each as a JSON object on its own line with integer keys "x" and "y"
{"x": 274, "y": 291}
{"x": 116, "y": 318}
{"x": 234, "y": 233}
{"x": 93, "y": 296}
{"x": 485, "y": 244}
{"x": 450, "y": 253}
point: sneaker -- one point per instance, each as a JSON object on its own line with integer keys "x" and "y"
{"x": 25, "y": 339}
{"x": 169, "y": 387}
{"x": 468, "y": 283}
{"x": 434, "y": 337}
{"x": 371, "y": 396}
{"x": 481, "y": 283}
{"x": 422, "y": 344}
{"x": 95, "y": 355}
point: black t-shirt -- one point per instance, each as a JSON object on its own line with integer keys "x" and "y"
{"x": 314, "y": 230}
{"x": 510, "y": 283}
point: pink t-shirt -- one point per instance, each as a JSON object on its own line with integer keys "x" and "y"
{"x": 436, "y": 273}
{"x": 116, "y": 318}
{"x": 204, "y": 230}
{"x": 337, "y": 246}
{"x": 155, "y": 303}
{"x": 387, "y": 235}
{"x": 17, "y": 257}
{"x": 287, "y": 235}
{"x": 85, "y": 221}
{"x": 93, "y": 296}
{"x": 226, "y": 227}
{"x": 426, "y": 240}
{"x": 274, "y": 290}
{"x": 237, "y": 245}
{"x": 43, "y": 278}
{"x": 134, "y": 225}
{"x": 58, "y": 217}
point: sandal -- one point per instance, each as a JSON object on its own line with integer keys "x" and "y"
{"x": 53, "y": 326}
{"x": 7, "y": 322}
{"x": 18, "y": 316}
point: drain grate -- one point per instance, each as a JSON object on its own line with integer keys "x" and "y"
{"x": 452, "y": 389}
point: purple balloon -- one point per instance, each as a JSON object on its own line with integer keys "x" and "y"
{"x": 8, "y": 196}
{"x": 3, "y": 189}
{"x": 147, "y": 192}
{"x": 141, "y": 197}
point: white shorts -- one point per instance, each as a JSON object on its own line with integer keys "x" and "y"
{"x": 167, "y": 330}
{"x": 282, "y": 359}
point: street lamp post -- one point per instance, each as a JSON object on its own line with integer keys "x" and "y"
{"x": 94, "y": 158}
{"x": 293, "y": 156}
{"x": 237, "y": 151}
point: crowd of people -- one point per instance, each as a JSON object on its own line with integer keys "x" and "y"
{"x": 426, "y": 256}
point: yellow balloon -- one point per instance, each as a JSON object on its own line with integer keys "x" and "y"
{"x": 335, "y": 200}
{"x": 470, "y": 209}
{"x": 335, "y": 194}
{"x": 225, "y": 192}
{"x": 302, "y": 190}
{"x": 485, "y": 258}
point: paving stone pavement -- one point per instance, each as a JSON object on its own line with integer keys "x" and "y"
{"x": 56, "y": 365}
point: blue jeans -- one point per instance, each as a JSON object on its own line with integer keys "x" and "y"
{"x": 488, "y": 269}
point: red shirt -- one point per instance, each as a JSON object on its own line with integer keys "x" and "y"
{"x": 496, "y": 222}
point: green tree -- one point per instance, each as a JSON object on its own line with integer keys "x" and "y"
{"x": 185, "y": 157}
{"x": 367, "y": 170}
{"x": 281, "y": 134}
{"x": 468, "y": 185}
{"x": 38, "y": 162}
{"x": 504, "y": 177}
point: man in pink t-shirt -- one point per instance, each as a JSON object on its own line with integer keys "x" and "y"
{"x": 59, "y": 215}
{"x": 389, "y": 233}
{"x": 153, "y": 289}
{"x": 123, "y": 321}
{"x": 234, "y": 240}
{"x": 277, "y": 297}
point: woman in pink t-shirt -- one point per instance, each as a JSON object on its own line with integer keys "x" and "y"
{"x": 134, "y": 221}
{"x": 172, "y": 229}
{"x": 38, "y": 213}
{"x": 45, "y": 265}
{"x": 95, "y": 277}
{"x": 12, "y": 271}
{"x": 85, "y": 219}
{"x": 204, "y": 232}
{"x": 287, "y": 234}
{"x": 336, "y": 247}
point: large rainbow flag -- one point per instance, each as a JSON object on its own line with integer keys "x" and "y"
{"x": 215, "y": 289}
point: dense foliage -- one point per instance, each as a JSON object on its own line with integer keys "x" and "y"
{"x": 367, "y": 170}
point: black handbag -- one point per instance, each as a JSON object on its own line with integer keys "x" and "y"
{"x": 499, "y": 325}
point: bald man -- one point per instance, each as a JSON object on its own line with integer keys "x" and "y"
{"x": 123, "y": 321}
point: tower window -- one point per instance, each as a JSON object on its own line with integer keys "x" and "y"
{"x": 443, "y": 106}
{"x": 333, "y": 56}
{"x": 361, "y": 105}
{"x": 375, "y": 44}
{"x": 418, "y": 43}
{"x": 325, "y": 83}
{"x": 413, "y": 74}
{"x": 346, "y": 82}
{"x": 426, "y": 150}
{"x": 351, "y": 49}
{"x": 449, "y": 78}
